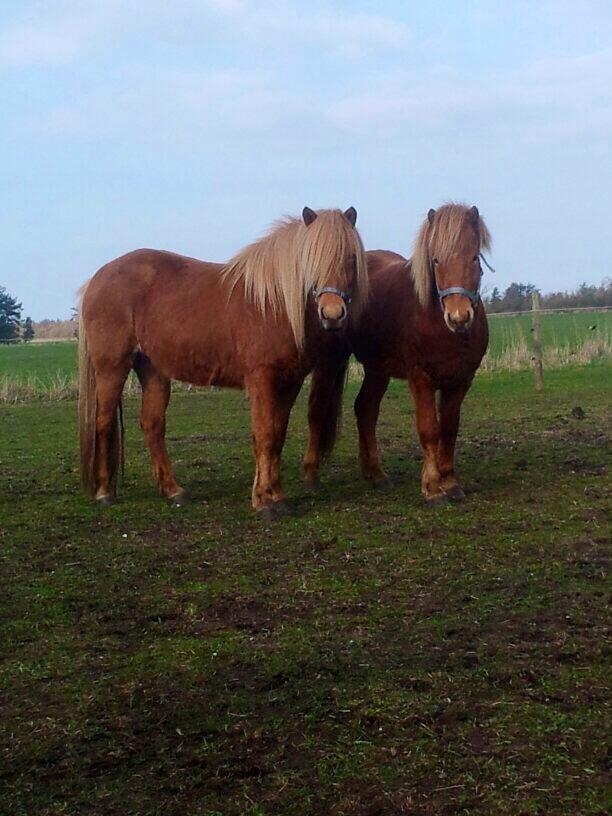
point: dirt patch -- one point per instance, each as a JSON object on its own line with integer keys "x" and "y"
{"x": 248, "y": 614}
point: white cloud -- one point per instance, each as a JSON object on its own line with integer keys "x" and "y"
{"x": 544, "y": 98}
{"x": 183, "y": 105}
{"x": 57, "y": 34}
{"x": 64, "y": 32}
{"x": 340, "y": 31}
{"x": 27, "y": 44}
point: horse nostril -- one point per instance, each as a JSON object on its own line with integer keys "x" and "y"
{"x": 333, "y": 314}
{"x": 460, "y": 321}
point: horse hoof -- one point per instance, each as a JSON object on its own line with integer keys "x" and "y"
{"x": 311, "y": 485}
{"x": 180, "y": 499}
{"x": 267, "y": 514}
{"x": 105, "y": 501}
{"x": 455, "y": 494}
{"x": 381, "y": 482}
{"x": 272, "y": 512}
{"x": 440, "y": 500}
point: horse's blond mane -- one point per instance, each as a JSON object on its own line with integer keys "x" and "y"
{"x": 441, "y": 239}
{"x": 280, "y": 269}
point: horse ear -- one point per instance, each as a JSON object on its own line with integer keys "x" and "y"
{"x": 351, "y": 216}
{"x": 308, "y": 215}
{"x": 431, "y": 215}
{"x": 474, "y": 215}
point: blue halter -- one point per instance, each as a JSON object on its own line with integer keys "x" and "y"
{"x": 333, "y": 291}
{"x": 473, "y": 295}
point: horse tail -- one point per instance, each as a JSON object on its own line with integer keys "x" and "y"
{"x": 87, "y": 412}
{"x": 328, "y": 393}
{"x": 87, "y": 422}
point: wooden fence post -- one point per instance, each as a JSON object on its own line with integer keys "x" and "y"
{"x": 537, "y": 340}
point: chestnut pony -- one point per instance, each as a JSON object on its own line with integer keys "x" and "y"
{"x": 262, "y": 322}
{"x": 425, "y": 323}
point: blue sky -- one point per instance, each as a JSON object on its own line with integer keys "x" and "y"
{"x": 191, "y": 125}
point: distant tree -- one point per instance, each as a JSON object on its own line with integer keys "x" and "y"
{"x": 28, "y": 330}
{"x": 517, "y": 297}
{"x": 495, "y": 301}
{"x": 584, "y": 296}
{"x": 10, "y": 316}
{"x": 74, "y": 318}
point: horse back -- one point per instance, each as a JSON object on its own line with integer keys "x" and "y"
{"x": 183, "y": 315}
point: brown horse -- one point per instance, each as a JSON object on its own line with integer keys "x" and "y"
{"x": 424, "y": 323}
{"x": 261, "y": 322}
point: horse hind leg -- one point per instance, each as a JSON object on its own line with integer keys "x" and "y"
{"x": 318, "y": 404}
{"x": 108, "y": 447}
{"x": 155, "y": 399}
{"x": 367, "y": 408}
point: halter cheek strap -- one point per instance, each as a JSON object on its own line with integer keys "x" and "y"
{"x": 333, "y": 291}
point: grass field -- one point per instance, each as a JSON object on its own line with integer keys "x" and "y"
{"x": 562, "y": 330}
{"x": 366, "y": 656}
{"x": 44, "y": 362}
{"x": 54, "y": 363}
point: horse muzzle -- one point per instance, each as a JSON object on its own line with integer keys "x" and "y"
{"x": 458, "y": 304}
{"x": 332, "y": 305}
{"x": 458, "y": 315}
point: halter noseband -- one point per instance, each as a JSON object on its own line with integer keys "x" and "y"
{"x": 316, "y": 293}
{"x": 472, "y": 294}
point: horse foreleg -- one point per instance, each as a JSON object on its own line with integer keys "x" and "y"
{"x": 270, "y": 409}
{"x": 155, "y": 399}
{"x": 450, "y": 413}
{"x": 367, "y": 408}
{"x": 424, "y": 394}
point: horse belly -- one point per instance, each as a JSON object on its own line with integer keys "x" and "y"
{"x": 196, "y": 348}
{"x": 198, "y": 364}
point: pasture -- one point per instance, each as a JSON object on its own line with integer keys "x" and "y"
{"x": 559, "y": 330}
{"x": 41, "y": 362}
{"x": 365, "y": 656}
{"x": 49, "y": 368}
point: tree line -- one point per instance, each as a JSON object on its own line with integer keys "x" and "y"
{"x": 11, "y": 328}
{"x": 517, "y": 297}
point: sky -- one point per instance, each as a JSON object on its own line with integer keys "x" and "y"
{"x": 192, "y": 125}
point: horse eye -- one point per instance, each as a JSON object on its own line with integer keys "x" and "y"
{"x": 436, "y": 261}
{"x": 475, "y": 257}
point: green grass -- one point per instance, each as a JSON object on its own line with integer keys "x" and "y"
{"x": 364, "y": 656}
{"x": 43, "y": 361}
{"x": 46, "y": 362}
{"x": 558, "y": 330}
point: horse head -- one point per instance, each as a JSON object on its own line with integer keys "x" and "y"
{"x": 447, "y": 254}
{"x": 334, "y": 258}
